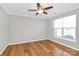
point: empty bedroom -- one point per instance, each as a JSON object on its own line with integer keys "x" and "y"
{"x": 39, "y": 29}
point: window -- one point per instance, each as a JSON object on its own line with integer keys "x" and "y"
{"x": 65, "y": 27}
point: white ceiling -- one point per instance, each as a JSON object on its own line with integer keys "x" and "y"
{"x": 22, "y": 9}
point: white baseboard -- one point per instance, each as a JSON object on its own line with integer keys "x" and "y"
{"x": 3, "y": 49}
{"x": 37, "y": 40}
{"x": 20, "y": 43}
{"x": 27, "y": 41}
{"x": 65, "y": 45}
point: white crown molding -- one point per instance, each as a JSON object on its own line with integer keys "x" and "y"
{"x": 2, "y": 6}
{"x": 10, "y": 13}
{"x": 50, "y": 17}
{"x": 63, "y": 13}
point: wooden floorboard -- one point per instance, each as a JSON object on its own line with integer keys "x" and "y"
{"x": 39, "y": 48}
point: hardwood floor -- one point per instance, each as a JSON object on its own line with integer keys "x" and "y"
{"x": 39, "y": 48}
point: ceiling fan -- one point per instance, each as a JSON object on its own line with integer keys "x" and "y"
{"x": 41, "y": 9}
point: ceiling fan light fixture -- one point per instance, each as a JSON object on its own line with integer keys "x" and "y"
{"x": 40, "y": 11}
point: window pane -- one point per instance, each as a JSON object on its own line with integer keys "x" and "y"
{"x": 57, "y": 32}
{"x": 69, "y": 33}
{"x": 69, "y": 21}
{"x": 58, "y": 23}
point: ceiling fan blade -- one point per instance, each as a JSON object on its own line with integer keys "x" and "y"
{"x": 38, "y": 5}
{"x": 37, "y": 13}
{"x": 45, "y": 12}
{"x": 32, "y": 10}
{"x": 48, "y": 7}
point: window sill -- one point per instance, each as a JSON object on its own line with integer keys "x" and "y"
{"x": 71, "y": 40}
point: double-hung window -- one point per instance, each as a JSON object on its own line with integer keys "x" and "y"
{"x": 65, "y": 27}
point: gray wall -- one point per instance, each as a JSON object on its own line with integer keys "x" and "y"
{"x": 17, "y": 29}
{"x": 3, "y": 29}
{"x": 65, "y": 42}
{"x": 23, "y": 29}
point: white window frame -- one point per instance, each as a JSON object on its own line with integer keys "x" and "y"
{"x": 74, "y": 40}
